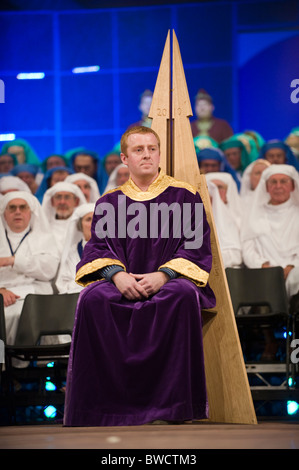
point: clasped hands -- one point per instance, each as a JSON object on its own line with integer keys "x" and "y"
{"x": 139, "y": 286}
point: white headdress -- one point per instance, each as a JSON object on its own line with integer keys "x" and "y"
{"x": 56, "y": 188}
{"x": 94, "y": 193}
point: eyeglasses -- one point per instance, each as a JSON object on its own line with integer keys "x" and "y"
{"x": 65, "y": 197}
{"x": 13, "y": 208}
{"x": 283, "y": 182}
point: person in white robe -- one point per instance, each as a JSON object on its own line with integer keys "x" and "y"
{"x": 79, "y": 232}
{"x": 12, "y": 183}
{"x": 228, "y": 191}
{"x": 119, "y": 176}
{"x": 29, "y": 257}
{"x": 227, "y": 230}
{"x": 59, "y": 203}
{"x": 270, "y": 231}
{"x": 87, "y": 184}
{"x": 250, "y": 179}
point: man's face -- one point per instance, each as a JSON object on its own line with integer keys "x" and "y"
{"x": 222, "y": 188}
{"x": 276, "y": 156}
{"x": 85, "y": 164}
{"x": 6, "y": 163}
{"x": 17, "y": 215}
{"x": 209, "y": 166}
{"x": 55, "y": 160}
{"x": 19, "y": 152}
{"x": 233, "y": 156}
{"x": 279, "y": 187}
{"x": 256, "y": 174}
{"x": 203, "y": 109}
{"x": 145, "y": 105}
{"x": 123, "y": 175}
{"x": 64, "y": 204}
{"x": 86, "y": 225}
{"x": 85, "y": 188}
{"x": 111, "y": 162}
{"x": 143, "y": 155}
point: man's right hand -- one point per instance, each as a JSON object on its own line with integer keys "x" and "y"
{"x": 129, "y": 286}
{"x": 9, "y": 297}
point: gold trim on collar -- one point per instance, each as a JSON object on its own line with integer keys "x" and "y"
{"x": 162, "y": 182}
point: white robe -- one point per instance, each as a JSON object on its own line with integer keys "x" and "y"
{"x": 270, "y": 233}
{"x": 227, "y": 230}
{"x": 35, "y": 265}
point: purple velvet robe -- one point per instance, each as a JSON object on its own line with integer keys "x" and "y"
{"x": 132, "y": 362}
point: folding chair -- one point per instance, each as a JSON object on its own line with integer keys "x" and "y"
{"x": 41, "y": 315}
{"x": 263, "y": 288}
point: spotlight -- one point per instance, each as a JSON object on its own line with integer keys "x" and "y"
{"x": 31, "y": 76}
{"x": 50, "y": 411}
{"x": 292, "y": 407}
{"x": 7, "y": 137}
{"x": 87, "y": 69}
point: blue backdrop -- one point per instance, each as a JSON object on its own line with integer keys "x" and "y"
{"x": 245, "y": 54}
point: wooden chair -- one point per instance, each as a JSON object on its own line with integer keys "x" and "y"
{"x": 229, "y": 394}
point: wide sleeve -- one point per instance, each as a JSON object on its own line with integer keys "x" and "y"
{"x": 192, "y": 258}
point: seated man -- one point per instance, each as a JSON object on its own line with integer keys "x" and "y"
{"x": 137, "y": 351}
{"x": 59, "y": 203}
{"x": 28, "y": 254}
{"x": 278, "y": 152}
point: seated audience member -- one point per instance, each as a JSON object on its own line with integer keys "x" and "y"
{"x": 12, "y": 183}
{"x": 206, "y": 123}
{"x": 202, "y": 142}
{"x": 118, "y": 177}
{"x": 79, "y": 232}
{"x": 270, "y": 232}
{"x": 228, "y": 192}
{"x": 251, "y": 178}
{"x": 59, "y": 203}
{"x": 88, "y": 162}
{"x": 87, "y": 185}
{"x": 137, "y": 352}
{"x": 227, "y": 230}
{"x": 144, "y": 107}
{"x": 28, "y": 254}
{"x": 22, "y": 150}
{"x": 110, "y": 162}
{"x": 27, "y": 172}
{"x": 51, "y": 177}
{"x": 257, "y": 137}
{"x": 238, "y": 153}
{"x": 7, "y": 162}
{"x": 213, "y": 160}
{"x": 278, "y": 152}
{"x": 52, "y": 161}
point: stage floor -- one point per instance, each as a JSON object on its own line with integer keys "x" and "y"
{"x": 265, "y": 435}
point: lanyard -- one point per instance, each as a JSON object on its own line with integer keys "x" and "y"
{"x": 10, "y": 247}
{"x": 80, "y": 249}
